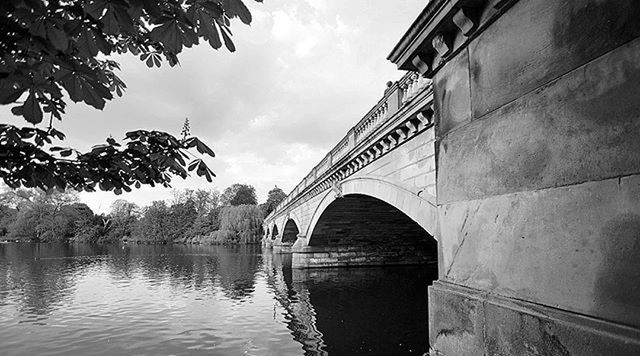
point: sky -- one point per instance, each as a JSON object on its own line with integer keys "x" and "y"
{"x": 304, "y": 72}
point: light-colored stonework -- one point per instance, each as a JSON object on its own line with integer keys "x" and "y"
{"x": 531, "y": 118}
{"x": 390, "y": 156}
{"x": 538, "y": 156}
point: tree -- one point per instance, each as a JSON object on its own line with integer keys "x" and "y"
{"x": 274, "y": 197}
{"x": 45, "y": 217}
{"x": 239, "y": 194}
{"x": 154, "y": 224}
{"x": 122, "y": 219}
{"x": 27, "y": 198}
{"x": 203, "y": 200}
{"x": 181, "y": 218}
{"x": 7, "y": 216}
{"x": 54, "y": 49}
{"x": 240, "y": 224}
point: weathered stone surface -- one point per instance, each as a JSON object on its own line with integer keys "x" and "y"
{"x": 581, "y": 127}
{"x": 451, "y": 95}
{"x": 540, "y": 40}
{"x": 455, "y": 323}
{"x": 324, "y": 257}
{"x": 573, "y": 247}
{"x": 538, "y": 191}
{"x": 464, "y": 321}
{"x": 406, "y": 163}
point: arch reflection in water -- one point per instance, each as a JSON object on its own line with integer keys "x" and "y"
{"x": 352, "y": 311}
{"x": 122, "y": 300}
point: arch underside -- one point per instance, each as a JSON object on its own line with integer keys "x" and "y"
{"x": 290, "y": 232}
{"x": 374, "y": 222}
{"x": 420, "y": 210}
{"x": 372, "y": 231}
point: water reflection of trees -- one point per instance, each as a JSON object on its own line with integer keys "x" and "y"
{"x": 40, "y": 277}
{"x": 205, "y": 268}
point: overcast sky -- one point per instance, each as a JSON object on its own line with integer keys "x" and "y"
{"x": 304, "y": 72}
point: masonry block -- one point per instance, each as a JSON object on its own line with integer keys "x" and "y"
{"x": 465, "y": 321}
{"x": 581, "y": 127}
{"x": 541, "y": 40}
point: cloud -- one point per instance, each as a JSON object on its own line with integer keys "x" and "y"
{"x": 303, "y": 74}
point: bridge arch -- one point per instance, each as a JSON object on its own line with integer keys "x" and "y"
{"x": 419, "y": 208}
{"x": 290, "y": 231}
{"x": 274, "y": 232}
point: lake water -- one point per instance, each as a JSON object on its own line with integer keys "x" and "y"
{"x": 213, "y": 300}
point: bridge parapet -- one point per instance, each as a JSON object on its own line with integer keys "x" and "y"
{"x": 403, "y": 112}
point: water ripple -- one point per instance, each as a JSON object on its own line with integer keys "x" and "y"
{"x": 185, "y": 300}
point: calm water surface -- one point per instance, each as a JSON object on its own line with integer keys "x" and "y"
{"x": 184, "y": 300}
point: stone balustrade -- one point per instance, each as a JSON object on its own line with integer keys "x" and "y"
{"x": 382, "y": 129}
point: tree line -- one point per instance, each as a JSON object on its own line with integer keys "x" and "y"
{"x": 190, "y": 216}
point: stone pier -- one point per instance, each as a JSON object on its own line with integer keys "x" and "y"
{"x": 537, "y": 106}
{"x": 352, "y": 256}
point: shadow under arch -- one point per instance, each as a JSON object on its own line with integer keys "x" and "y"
{"x": 290, "y": 231}
{"x": 421, "y": 209}
{"x": 274, "y": 232}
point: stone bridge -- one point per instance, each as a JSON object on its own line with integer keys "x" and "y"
{"x": 524, "y": 117}
{"x": 371, "y": 200}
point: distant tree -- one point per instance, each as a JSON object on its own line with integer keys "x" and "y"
{"x": 181, "y": 218}
{"x": 239, "y": 194}
{"x": 7, "y": 216}
{"x": 40, "y": 216}
{"x": 121, "y": 220}
{"x": 203, "y": 200}
{"x": 26, "y": 226}
{"x": 240, "y": 224}
{"x": 122, "y": 209}
{"x": 51, "y": 49}
{"x": 72, "y": 219}
{"x": 154, "y": 224}
{"x": 274, "y": 197}
{"x": 18, "y": 198}
{"x": 206, "y": 224}
{"x": 26, "y": 198}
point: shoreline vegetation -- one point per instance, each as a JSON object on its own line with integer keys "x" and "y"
{"x": 204, "y": 217}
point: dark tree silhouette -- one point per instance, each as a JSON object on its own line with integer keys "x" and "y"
{"x": 274, "y": 197}
{"x": 239, "y": 194}
{"x": 55, "y": 50}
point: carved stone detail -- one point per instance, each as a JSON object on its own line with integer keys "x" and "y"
{"x": 442, "y": 44}
{"x": 421, "y": 63}
{"x": 465, "y": 20}
{"x": 337, "y": 189}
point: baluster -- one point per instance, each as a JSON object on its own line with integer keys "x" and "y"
{"x": 413, "y": 84}
{"x": 404, "y": 88}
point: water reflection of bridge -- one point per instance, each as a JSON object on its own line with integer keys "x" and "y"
{"x": 351, "y": 311}
{"x": 294, "y": 299}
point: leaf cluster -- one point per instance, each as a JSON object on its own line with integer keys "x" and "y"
{"x": 55, "y": 50}
{"x": 145, "y": 157}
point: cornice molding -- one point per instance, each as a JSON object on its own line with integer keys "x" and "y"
{"x": 443, "y": 29}
{"x": 415, "y": 117}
